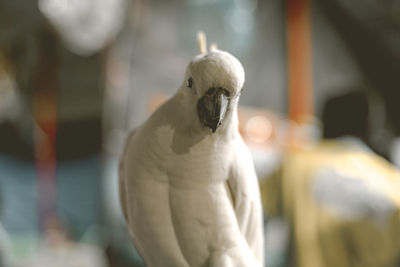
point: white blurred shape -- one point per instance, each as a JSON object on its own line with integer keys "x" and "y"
{"x": 352, "y": 198}
{"x": 86, "y": 26}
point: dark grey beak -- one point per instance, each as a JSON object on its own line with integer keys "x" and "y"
{"x": 212, "y": 107}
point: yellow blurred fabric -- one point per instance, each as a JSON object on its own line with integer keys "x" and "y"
{"x": 322, "y": 238}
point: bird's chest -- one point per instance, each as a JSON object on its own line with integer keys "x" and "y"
{"x": 204, "y": 164}
{"x": 201, "y": 162}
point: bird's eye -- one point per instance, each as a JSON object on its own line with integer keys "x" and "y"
{"x": 189, "y": 82}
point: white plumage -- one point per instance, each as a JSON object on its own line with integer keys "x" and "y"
{"x": 188, "y": 187}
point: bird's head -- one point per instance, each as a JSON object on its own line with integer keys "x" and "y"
{"x": 214, "y": 82}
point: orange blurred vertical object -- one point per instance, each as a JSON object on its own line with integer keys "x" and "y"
{"x": 44, "y": 108}
{"x": 299, "y": 60}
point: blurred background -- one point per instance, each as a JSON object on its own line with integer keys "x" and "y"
{"x": 77, "y": 75}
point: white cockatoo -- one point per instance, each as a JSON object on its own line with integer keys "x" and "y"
{"x": 188, "y": 187}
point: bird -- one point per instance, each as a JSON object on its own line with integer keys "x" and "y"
{"x": 188, "y": 188}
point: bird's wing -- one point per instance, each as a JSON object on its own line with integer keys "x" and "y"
{"x": 144, "y": 201}
{"x": 244, "y": 189}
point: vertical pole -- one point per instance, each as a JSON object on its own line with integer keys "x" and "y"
{"x": 299, "y": 60}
